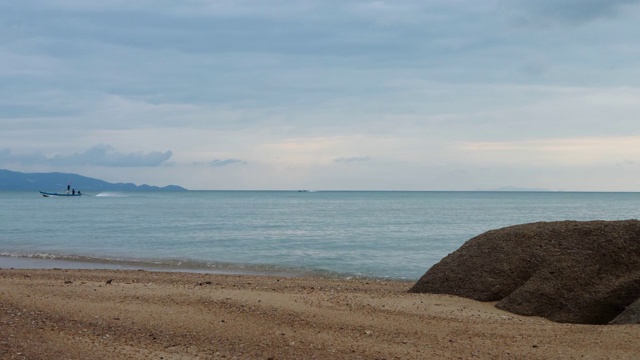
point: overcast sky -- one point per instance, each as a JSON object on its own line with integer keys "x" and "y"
{"x": 325, "y": 94}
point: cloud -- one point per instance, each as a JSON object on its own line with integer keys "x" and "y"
{"x": 352, "y": 159}
{"x": 559, "y": 151}
{"x": 221, "y": 163}
{"x": 571, "y": 11}
{"x": 99, "y": 155}
{"x": 538, "y": 66}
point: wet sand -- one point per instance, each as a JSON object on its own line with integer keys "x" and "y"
{"x": 122, "y": 314}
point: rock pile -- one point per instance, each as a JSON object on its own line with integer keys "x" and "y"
{"x": 568, "y": 271}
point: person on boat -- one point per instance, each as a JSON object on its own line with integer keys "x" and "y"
{"x": 79, "y": 192}
{"x": 68, "y": 188}
{"x": 73, "y": 192}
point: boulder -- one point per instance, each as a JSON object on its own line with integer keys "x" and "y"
{"x": 567, "y": 271}
{"x": 630, "y": 315}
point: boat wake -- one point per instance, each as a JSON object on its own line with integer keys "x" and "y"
{"x": 110, "y": 194}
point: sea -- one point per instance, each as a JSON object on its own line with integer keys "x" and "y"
{"x": 344, "y": 234}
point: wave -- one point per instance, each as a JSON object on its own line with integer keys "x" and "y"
{"x": 67, "y": 261}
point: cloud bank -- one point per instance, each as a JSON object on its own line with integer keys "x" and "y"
{"x": 98, "y": 155}
{"x": 431, "y": 95}
{"x": 226, "y": 162}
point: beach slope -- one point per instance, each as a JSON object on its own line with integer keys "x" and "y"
{"x": 114, "y": 314}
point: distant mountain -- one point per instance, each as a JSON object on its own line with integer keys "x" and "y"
{"x": 55, "y": 181}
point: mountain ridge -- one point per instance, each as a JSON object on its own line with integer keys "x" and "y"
{"x": 14, "y": 180}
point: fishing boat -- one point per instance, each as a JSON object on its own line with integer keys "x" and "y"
{"x": 47, "y": 194}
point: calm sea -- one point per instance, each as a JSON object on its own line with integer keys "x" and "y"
{"x": 395, "y": 235}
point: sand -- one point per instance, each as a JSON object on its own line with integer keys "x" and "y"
{"x": 115, "y": 314}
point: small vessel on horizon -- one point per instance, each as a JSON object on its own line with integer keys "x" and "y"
{"x": 47, "y": 194}
{"x": 70, "y": 192}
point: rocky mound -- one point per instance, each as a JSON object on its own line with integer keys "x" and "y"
{"x": 568, "y": 271}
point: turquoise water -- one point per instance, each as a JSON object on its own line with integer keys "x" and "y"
{"x": 374, "y": 234}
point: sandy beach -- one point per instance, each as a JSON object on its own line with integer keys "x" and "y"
{"x": 116, "y": 314}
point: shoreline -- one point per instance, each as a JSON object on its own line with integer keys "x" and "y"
{"x": 86, "y": 263}
{"x": 137, "y": 314}
{"x": 24, "y": 262}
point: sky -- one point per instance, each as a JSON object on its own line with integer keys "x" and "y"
{"x": 325, "y": 94}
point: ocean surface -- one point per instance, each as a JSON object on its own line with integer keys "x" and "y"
{"x": 396, "y": 235}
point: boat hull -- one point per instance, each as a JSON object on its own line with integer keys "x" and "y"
{"x": 47, "y": 194}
